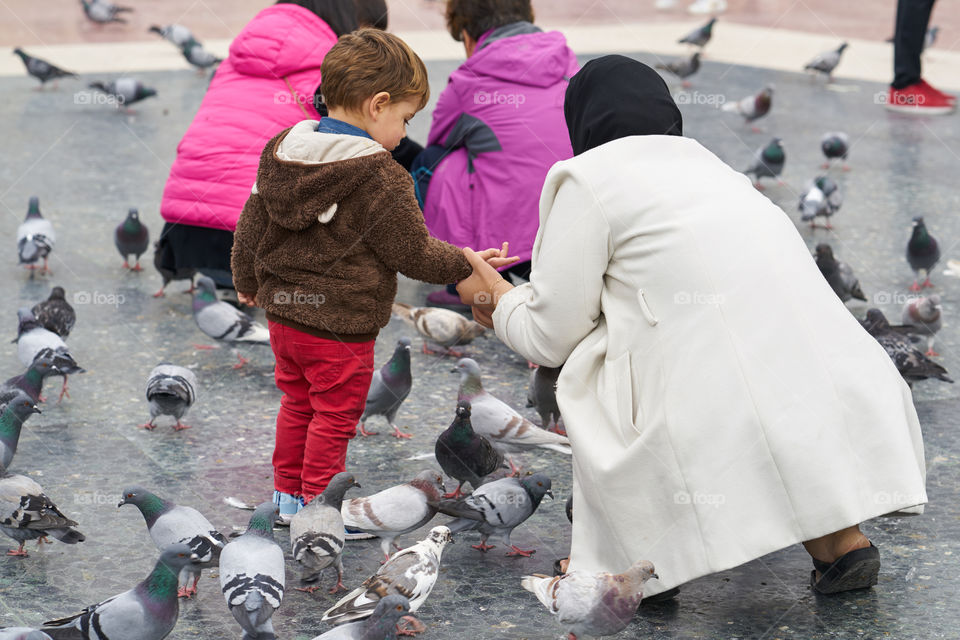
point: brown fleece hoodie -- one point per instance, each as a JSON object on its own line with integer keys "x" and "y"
{"x": 331, "y": 221}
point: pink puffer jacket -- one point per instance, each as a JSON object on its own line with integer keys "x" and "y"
{"x": 251, "y": 99}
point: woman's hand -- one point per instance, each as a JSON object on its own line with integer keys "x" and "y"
{"x": 249, "y": 300}
{"x": 497, "y": 258}
{"x": 482, "y": 290}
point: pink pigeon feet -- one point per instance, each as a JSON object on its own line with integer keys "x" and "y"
{"x": 365, "y": 433}
{"x": 483, "y": 546}
{"x": 455, "y": 494}
{"x": 400, "y": 435}
{"x": 136, "y": 267}
{"x": 186, "y": 592}
{"x": 159, "y": 294}
{"x": 21, "y": 553}
{"x": 63, "y": 391}
{"x": 126, "y": 265}
{"x": 517, "y": 551}
{"x": 180, "y": 426}
{"x": 309, "y": 589}
{"x": 241, "y": 361}
{"x": 415, "y": 626}
{"x": 204, "y": 347}
{"x": 149, "y": 426}
{"x": 932, "y": 354}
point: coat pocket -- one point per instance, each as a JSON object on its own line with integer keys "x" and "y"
{"x": 629, "y": 416}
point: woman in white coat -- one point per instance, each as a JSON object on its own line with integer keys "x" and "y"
{"x": 721, "y": 401}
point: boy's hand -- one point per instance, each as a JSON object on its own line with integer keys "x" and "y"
{"x": 497, "y": 258}
{"x": 249, "y": 300}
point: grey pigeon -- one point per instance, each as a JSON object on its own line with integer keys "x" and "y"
{"x": 923, "y": 253}
{"x": 125, "y": 91}
{"x": 171, "y": 391}
{"x": 835, "y": 144}
{"x": 31, "y": 382}
{"x": 543, "y": 398}
{"x": 381, "y": 625}
{"x": 316, "y": 532}
{"x": 222, "y": 321}
{"x": 168, "y": 274}
{"x": 822, "y": 199}
{"x": 252, "y": 575}
{"x": 838, "y": 274}
{"x": 441, "y": 329}
{"x": 175, "y": 33}
{"x": 463, "y": 454}
{"x": 22, "y": 633}
{"x": 102, "y": 11}
{"x": 924, "y": 317}
{"x": 55, "y": 313}
{"x": 826, "y": 62}
{"x": 132, "y": 238}
{"x": 199, "y": 57}
{"x": 149, "y": 611}
{"x": 752, "y": 107}
{"x": 496, "y": 508}
{"x": 169, "y": 523}
{"x": 683, "y": 68}
{"x": 700, "y": 36}
{"x": 395, "y": 511}
{"x": 15, "y": 408}
{"x": 35, "y": 238}
{"x": 910, "y": 362}
{"x": 26, "y": 513}
{"x": 41, "y": 69}
{"x": 507, "y": 430}
{"x": 410, "y": 573}
{"x": 389, "y": 387}
{"x": 592, "y": 604}
{"x": 32, "y": 340}
{"x": 768, "y": 162}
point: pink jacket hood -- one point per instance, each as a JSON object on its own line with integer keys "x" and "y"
{"x": 279, "y": 40}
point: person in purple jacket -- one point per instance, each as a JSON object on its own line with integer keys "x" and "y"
{"x": 497, "y": 129}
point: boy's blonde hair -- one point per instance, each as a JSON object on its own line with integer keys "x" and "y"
{"x": 368, "y": 61}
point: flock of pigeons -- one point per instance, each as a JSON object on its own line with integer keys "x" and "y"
{"x": 822, "y": 198}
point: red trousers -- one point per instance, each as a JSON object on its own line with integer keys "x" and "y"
{"x": 324, "y": 384}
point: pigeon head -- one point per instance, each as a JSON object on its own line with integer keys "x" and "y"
{"x": 430, "y": 482}
{"x": 537, "y": 485}
{"x": 25, "y": 321}
{"x": 824, "y": 252}
{"x": 57, "y": 293}
{"x": 463, "y": 409}
{"x": 150, "y": 505}
{"x": 467, "y": 368}
{"x": 155, "y": 29}
{"x": 440, "y": 536}
{"x": 640, "y": 572}
{"x": 842, "y": 47}
{"x": 875, "y": 321}
{"x": 206, "y": 291}
{"x": 33, "y": 208}
{"x": 261, "y": 522}
{"x": 568, "y": 508}
{"x": 404, "y": 342}
{"x": 339, "y": 484}
{"x": 21, "y": 405}
{"x": 391, "y": 609}
{"x": 133, "y": 214}
{"x": 177, "y": 556}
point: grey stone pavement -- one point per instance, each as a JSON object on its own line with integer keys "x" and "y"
{"x": 88, "y": 164}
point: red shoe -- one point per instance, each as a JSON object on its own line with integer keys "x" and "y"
{"x": 946, "y": 96}
{"x": 920, "y": 99}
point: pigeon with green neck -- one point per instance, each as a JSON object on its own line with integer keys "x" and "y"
{"x": 149, "y": 611}
{"x": 15, "y": 407}
{"x": 700, "y": 36}
{"x": 42, "y": 70}
{"x": 923, "y": 253}
{"x": 26, "y": 513}
{"x": 768, "y": 162}
{"x": 222, "y": 321}
{"x": 31, "y": 381}
{"x": 834, "y": 145}
{"x": 132, "y": 238}
{"x": 389, "y": 387}
{"x": 464, "y": 454}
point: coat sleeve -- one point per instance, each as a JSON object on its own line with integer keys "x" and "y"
{"x": 445, "y": 114}
{"x": 397, "y": 234}
{"x": 250, "y": 227}
{"x": 545, "y": 319}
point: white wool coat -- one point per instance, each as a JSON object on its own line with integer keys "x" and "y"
{"x": 721, "y": 401}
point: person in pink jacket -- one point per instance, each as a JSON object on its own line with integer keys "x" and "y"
{"x": 265, "y": 85}
{"x": 497, "y": 129}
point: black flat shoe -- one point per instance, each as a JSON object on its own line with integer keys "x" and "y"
{"x": 857, "y": 569}
{"x": 558, "y": 568}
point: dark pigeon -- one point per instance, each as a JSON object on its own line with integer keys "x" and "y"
{"x": 910, "y": 362}
{"x": 464, "y": 454}
{"x": 26, "y": 513}
{"x": 388, "y": 389}
{"x": 41, "y": 69}
{"x": 31, "y": 381}
{"x": 768, "y": 162}
{"x": 132, "y": 239}
{"x": 839, "y": 275}
{"x": 701, "y": 36}
{"x": 15, "y": 408}
{"x": 923, "y": 253}
{"x": 55, "y": 313}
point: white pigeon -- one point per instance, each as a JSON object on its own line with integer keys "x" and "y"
{"x": 498, "y": 422}
{"x": 32, "y": 340}
{"x": 35, "y": 237}
{"x": 222, "y": 321}
{"x": 592, "y": 604}
{"x": 441, "y": 329}
{"x": 26, "y": 513}
{"x": 410, "y": 573}
{"x": 171, "y": 391}
{"x": 924, "y": 316}
{"x": 397, "y": 510}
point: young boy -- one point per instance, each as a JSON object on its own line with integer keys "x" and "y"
{"x": 330, "y": 222}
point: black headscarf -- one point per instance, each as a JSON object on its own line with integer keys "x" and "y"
{"x": 340, "y": 15}
{"x": 614, "y": 97}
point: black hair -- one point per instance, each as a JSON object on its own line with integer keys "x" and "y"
{"x": 340, "y": 15}
{"x": 372, "y": 13}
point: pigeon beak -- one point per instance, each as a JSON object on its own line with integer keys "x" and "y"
{"x": 194, "y": 558}
{"x": 121, "y": 503}
{"x": 35, "y": 409}
{"x": 655, "y": 576}
{"x": 454, "y": 370}
{"x": 357, "y": 485}
{"x": 550, "y": 493}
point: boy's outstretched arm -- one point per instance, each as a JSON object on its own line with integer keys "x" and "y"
{"x": 250, "y": 227}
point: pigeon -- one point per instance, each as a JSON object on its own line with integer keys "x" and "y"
{"x": 752, "y": 107}
{"x": 834, "y": 145}
{"x": 175, "y": 33}
{"x": 465, "y": 455}
{"x": 410, "y": 573}
{"x": 22, "y": 633}
{"x": 222, "y": 321}
{"x": 838, "y": 274}
{"x": 395, "y": 511}
{"x": 55, "y": 313}
{"x": 32, "y": 339}
{"x": 542, "y": 396}
{"x": 26, "y": 513}
{"x": 701, "y": 36}
{"x": 910, "y": 362}
{"x": 821, "y": 199}
{"x": 252, "y": 575}
{"x": 923, "y": 253}
{"x": 826, "y": 62}
{"x": 41, "y": 69}
{"x": 923, "y": 315}
{"x": 31, "y": 382}
{"x": 381, "y": 625}
{"x": 125, "y": 91}
{"x": 440, "y": 328}
{"x": 496, "y": 508}
{"x": 683, "y": 68}
{"x": 507, "y": 430}
{"x": 592, "y": 604}
{"x": 768, "y": 162}
{"x": 171, "y": 391}
{"x": 149, "y": 611}
{"x": 388, "y": 389}
{"x": 169, "y": 275}
{"x": 35, "y": 238}
{"x": 102, "y": 11}
{"x": 316, "y": 532}
{"x": 169, "y": 523}
{"x": 132, "y": 239}
{"x": 199, "y": 57}
{"x": 15, "y": 408}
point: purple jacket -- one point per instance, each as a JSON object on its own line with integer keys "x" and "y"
{"x": 502, "y": 112}
{"x": 250, "y": 100}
